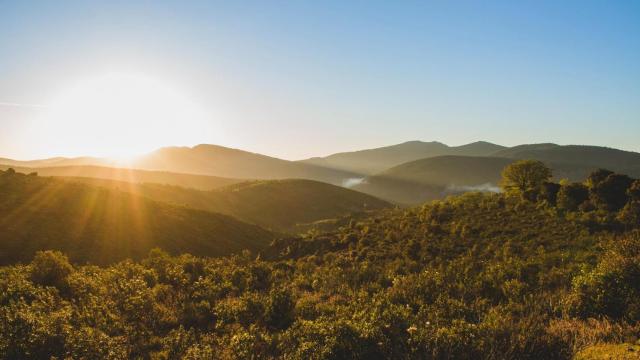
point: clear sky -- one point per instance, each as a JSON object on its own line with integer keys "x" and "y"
{"x": 304, "y": 78}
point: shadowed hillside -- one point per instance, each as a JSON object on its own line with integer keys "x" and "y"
{"x": 434, "y": 178}
{"x": 282, "y": 205}
{"x": 626, "y": 162}
{"x": 375, "y": 160}
{"x": 104, "y": 225}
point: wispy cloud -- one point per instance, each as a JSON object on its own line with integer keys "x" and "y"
{"x": 11, "y": 104}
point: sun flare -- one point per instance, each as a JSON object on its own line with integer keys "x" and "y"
{"x": 120, "y": 115}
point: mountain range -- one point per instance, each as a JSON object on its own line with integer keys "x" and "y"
{"x": 407, "y": 173}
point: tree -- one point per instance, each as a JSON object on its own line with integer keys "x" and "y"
{"x": 549, "y": 192}
{"x": 524, "y": 176}
{"x": 611, "y": 193}
{"x": 596, "y": 177}
{"x": 634, "y": 191}
{"x": 571, "y": 196}
{"x": 51, "y": 268}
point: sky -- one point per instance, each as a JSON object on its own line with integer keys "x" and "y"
{"x": 295, "y": 79}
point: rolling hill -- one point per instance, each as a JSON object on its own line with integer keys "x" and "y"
{"x": 58, "y": 161}
{"x": 233, "y": 163}
{"x": 434, "y": 178}
{"x": 282, "y": 205}
{"x": 201, "y": 182}
{"x": 372, "y": 161}
{"x": 103, "y": 225}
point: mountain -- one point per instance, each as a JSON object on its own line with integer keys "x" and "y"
{"x": 233, "y": 163}
{"x": 103, "y": 225}
{"x": 433, "y": 178}
{"x": 283, "y": 205}
{"x": 58, "y": 161}
{"x": 372, "y": 161}
{"x": 626, "y": 162}
{"x": 201, "y": 182}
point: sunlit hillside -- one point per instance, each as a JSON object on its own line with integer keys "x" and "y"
{"x": 282, "y": 205}
{"x": 99, "y": 225}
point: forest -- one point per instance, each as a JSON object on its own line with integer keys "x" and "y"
{"x": 542, "y": 270}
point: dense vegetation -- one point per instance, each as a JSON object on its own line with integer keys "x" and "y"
{"x": 497, "y": 276}
{"x": 291, "y": 206}
{"x": 103, "y": 225}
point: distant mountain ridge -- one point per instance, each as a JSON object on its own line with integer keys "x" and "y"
{"x": 374, "y": 171}
{"x": 233, "y": 163}
{"x": 372, "y": 161}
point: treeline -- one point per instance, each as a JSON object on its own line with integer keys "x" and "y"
{"x": 605, "y": 199}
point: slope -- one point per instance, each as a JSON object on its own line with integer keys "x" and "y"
{"x": 226, "y": 162}
{"x": 283, "y": 205}
{"x": 434, "y": 178}
{"x": 105, "y": 225}
{"x": 626, "y": 162}
{"x": 375, "y": 160}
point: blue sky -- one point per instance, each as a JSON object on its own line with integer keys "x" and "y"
{"x": 304, "y": 78}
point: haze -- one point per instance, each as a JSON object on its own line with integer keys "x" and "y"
{"x": 299, "y": 79}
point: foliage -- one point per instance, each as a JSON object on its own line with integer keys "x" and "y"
{"x": 100, "y": 225}
{"x": 524, "y": 176}
{"x": 476, "y": 276}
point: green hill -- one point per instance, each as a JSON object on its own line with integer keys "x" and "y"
{"x": 283, "y": 205}
{"x": 201, "y": 182}
{"x": 105, "y": 225}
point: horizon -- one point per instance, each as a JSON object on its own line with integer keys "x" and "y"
{"x": 124, "y": 161}
{"x": 300, "y": 80}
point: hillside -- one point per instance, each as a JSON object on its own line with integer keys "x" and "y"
{"x": 281, "y": 205}
{"x": 372, "y": 161}
{"x": 626, "y": 162}
{"x": 474, "y": 277}
{"x": 233, "y": 163}
{"x": 434, "y": 178}
{"x": 201, "y": 182}
{"x": 105, "y": 225}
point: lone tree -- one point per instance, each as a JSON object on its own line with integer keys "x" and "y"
{"x": 525, "y": 177}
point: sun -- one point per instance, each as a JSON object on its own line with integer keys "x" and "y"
{"x": 120, "y": 115}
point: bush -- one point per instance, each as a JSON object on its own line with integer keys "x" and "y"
{"x": 51, "y": 268}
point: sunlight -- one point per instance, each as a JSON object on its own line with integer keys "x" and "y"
{"x": 120, "y": 115}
